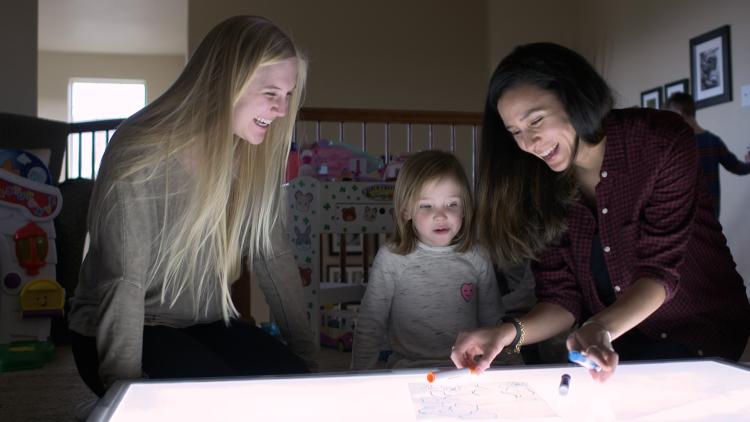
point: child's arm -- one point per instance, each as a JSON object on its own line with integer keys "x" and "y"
{"x": 491, "y": 308}
{"x": 372, "y": 321}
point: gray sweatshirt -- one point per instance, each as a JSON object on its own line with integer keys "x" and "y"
{"x": 113, "y": 300}
{"x": 418, "y": 303}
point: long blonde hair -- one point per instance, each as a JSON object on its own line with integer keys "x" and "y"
{"x": 418, "y": 171}
{"x": 235, "y": 195}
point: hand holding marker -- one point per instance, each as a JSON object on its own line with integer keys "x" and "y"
{"x": 578, "y": 357}
{"x": 445, "y": 374}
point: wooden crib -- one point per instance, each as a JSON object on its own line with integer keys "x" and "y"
{"x": 381, "y": 133}
{"x": 334, "y": 252}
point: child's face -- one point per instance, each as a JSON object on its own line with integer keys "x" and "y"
{"x": 439, "y": 212}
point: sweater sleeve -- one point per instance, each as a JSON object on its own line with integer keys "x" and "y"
{"x": 120, "y": 256}
{"x": 491, "y": 308}
{"x": 520, "y": 281}
{"x": 372, "y": 321}
{"x": 279, "y": 280}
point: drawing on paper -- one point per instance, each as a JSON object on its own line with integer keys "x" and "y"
{"x": 478, "y": 401}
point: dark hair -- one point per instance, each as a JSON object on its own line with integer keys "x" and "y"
{"x": 522, "y": 203}
{"x": 682, "y": 102}
{"x": 419, "y": 170}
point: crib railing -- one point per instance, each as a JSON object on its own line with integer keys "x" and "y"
{"x": 86, "y": 144}
{"x": 383, "y": 133}
{"x": 387, "y": 133}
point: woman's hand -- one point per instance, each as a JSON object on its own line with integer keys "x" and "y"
{"x": 594, "y": 341}
{"x": 477, "y": 349}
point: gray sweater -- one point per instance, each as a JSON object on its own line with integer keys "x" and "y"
{"x": 418, "y": 303}
{"x": 114, "y": 300}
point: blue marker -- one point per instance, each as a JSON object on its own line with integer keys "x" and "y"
{"x": 579, "y": 358}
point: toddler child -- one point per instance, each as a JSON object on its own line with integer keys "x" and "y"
{"x": 432, "y": 280}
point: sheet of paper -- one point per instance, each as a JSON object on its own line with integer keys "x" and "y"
{"x": 488, "y": 401}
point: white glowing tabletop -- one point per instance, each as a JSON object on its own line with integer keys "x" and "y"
{"x": 695, "y": 390}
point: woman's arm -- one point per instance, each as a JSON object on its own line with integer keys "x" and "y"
{"x": 490, "y": 304}
{"x": 594, "y": 338}
{"x": 116, "y": 270}
{"x": 279, "y": 280}
{"x": 641, "y": 300}
{"x": 477, "y": 349}
{"x": 520, "y": 282}
{"x": 665, "y": 225}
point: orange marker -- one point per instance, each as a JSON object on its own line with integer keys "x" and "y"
{"x": 445, "y": 374}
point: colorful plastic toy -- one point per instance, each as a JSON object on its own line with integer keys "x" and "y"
{"x": 336, "y": 161}
{"x": 337, "y": 328}
{"x": 29, "y": 294}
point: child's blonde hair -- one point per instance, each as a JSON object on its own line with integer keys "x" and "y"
{"x": 419, "y": 170}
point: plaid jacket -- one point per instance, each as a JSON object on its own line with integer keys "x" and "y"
{"x": 656, "y": 220}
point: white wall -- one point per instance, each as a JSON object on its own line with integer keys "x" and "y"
{"x": 56, "y": 69}
{"x": 393, "y": 54}
{"x": 18, "y": 40}
{"x": 647, "y": 45}
{"x": 511, "y": 23}
{"x": 640, "y": 44}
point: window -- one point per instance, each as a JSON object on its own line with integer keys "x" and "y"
{"x": 97, "y": 99}
{"x": 92, "y": 99}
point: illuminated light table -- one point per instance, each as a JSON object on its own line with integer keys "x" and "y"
{"x": 691, "y": 390}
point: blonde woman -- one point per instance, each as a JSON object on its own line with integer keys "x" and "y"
{"x": 188, "y": 187}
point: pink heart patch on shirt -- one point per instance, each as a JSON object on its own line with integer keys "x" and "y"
{"x": 467, "y": 291}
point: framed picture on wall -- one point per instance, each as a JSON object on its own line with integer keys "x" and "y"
{"x": 711, "y": 68}
{"x": 677, "y": 86}
{"x": 354, "y": 245}
{"x": 651, "y": 98}
{"x": 354, "y": 274}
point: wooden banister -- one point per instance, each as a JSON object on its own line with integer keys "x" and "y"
{"x": 389, "y": 116}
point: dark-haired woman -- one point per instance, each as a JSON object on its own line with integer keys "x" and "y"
{"x": 610, "y": 206}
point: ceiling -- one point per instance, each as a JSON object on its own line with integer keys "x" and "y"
{"x": 114, "y": 26}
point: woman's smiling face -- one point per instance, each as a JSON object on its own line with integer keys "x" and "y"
{"x": 539, "y": 124}
{"x": 265, "y": 98}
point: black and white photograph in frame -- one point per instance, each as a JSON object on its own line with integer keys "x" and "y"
{"x": 711, "y": 68}
{"x": 354, "y": 245}
{"x": 651, "y": 98}
{"x": 672, "y": 88}
{"x": 354, "y": 274}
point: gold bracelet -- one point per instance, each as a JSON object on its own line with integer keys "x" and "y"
{"x": 522, "y": 339}
{"x": 515, "y": 345}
